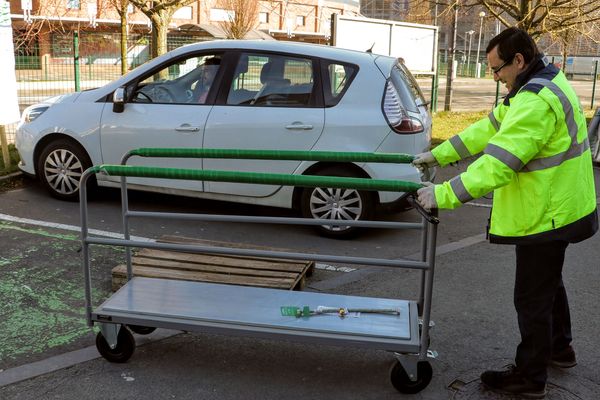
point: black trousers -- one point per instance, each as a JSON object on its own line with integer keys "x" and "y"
{"x": 542, "y": 307}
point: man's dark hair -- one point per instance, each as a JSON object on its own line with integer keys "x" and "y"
{"x": 212, "y": 61}
{"x": 512, "y": 41}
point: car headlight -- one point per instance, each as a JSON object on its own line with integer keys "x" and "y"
{"x": 32, "y": 113}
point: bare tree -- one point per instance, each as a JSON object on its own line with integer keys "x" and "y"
{"x": 160, "y": 12}
{"x": 538, "y": 17}
{"x": 121, "y": 6}
{"x": 242, "y": 17}
{"x": 36, "y": 22}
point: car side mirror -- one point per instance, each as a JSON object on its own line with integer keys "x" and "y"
{"x": 119, "y": 100}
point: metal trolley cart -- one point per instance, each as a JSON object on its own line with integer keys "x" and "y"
{"x": 143, "y": 304}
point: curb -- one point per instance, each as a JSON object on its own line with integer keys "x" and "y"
{"x": 10, "y": 176}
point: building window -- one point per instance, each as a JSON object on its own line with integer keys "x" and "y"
{"x": 219, "y": 14}
{"x": 183, "y": 13}
{"x": 263, "y": 17}
{"x": 73, "y": 5}
{"x": 300, "y": 20}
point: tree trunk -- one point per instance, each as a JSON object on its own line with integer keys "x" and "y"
{"x": 160, "y": 28}
{"x": 124, "y": 61}
{"x": 564, "y": 56}
{"x": 450, "y": 71}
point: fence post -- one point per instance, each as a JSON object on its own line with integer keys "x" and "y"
{"x": 45, "y": 65}
{"x": 434, "y": 91}
{"x": 497, "y": 93}
{"x": 76, "y": 60}
{"x": 594, "y": 84}
{"x": 4, "y": 144}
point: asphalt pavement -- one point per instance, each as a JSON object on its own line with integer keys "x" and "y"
{"x": 47, "y": 352}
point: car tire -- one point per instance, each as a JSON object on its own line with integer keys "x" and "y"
{"x": 339, "y": 204}
{"x": 60, "y": 166}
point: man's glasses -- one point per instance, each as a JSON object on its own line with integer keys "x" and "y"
{"x": 496, "y": 70}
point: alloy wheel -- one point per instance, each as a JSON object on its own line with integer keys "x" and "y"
{"x": 63, "y": 170}
{"x": 336, "y": 204}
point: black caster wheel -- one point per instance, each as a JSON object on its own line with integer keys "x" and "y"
{"x": 123, "y": 351}
{"x": 141, "y": 330}
{"x": 402, "y": 382}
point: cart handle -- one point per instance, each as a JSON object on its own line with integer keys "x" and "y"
{"x": 430, "y": 216}
{"x": 256, "y": 177}
{"x": 333, "y": 156}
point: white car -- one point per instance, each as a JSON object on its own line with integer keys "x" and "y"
{"x": 239, "y": 95}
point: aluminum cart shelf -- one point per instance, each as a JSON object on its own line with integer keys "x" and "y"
{"x": 144, "y": 304}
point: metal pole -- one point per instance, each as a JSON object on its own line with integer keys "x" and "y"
{"x": 434, "y": 91}
{"x": 469, "y": 53}
{"x": 465, "y": 58}
{"x": 451, "y": 53}
{"x": 432, "y": 234}
{"x": 478, "y": 67}
{"x": 76, "y": 60}
{"x": 85, "y": 246}
{"x": 424, "y": 236}
{"x": 497, "y": 93}
{"x": 594, "y": 84}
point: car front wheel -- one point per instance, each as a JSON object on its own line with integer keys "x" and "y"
{"x": 337, "y": 205}
{"x": 60, "y": 167}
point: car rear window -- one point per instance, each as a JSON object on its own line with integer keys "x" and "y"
{"x": 407, "y": 87}
{"x": 337, "y": 79}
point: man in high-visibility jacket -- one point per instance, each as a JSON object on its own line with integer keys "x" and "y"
{"x": 537, "y": 161}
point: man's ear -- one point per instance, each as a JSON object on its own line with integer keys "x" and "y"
{"x": 520, "y": 60}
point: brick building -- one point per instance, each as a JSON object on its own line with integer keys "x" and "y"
{"x": 46, "y": 26}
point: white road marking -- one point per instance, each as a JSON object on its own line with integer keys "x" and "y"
{"x": 74, "y": 228}
{"x": 115, "y": 235}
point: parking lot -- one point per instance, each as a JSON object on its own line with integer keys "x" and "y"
{"x": 46, "y": 350}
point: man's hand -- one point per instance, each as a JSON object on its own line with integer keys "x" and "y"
{"x": 424, "y": 161}
{"x": 426, "y": 196}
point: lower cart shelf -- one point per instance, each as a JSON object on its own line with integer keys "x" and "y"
{"x": 216, "y": 308}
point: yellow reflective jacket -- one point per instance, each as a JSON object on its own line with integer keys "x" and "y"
{"x": 536, "y": 159}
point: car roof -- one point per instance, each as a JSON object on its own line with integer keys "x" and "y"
{"x": 307, "y": 49}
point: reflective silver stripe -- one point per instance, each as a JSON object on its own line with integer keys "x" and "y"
{"x": 564, "y": 101}
{"x": 494, "y": 121}
{"x": 460, "y": 190}
{"x": 513, "y": 162}
{"x": 575, "y": 149}
{"x": 459, "y": 146}
{"x": 555, "y": 160}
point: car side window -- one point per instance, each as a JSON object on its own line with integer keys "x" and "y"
{"x": 266, "y": 80}
{"x": 338, "y": 78}
{"x": 187, "y": 80}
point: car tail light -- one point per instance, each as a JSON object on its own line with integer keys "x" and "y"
{"x": 395, "y": 113}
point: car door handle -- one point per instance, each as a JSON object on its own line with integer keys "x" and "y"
{"x": 298, "y": 126}
{"x": 187, "y": 128}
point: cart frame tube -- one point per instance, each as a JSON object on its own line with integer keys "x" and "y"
{"x": 428, "y": 238}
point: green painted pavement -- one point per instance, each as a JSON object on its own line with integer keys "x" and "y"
{"x": 41, "y": 290}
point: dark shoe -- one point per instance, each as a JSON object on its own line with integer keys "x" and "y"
{"x": 511, "y": 382}
{"x": 564, "y": 359}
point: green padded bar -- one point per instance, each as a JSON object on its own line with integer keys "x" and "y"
{"x": 276, "y": 155}
{"x": 256, "y": 177}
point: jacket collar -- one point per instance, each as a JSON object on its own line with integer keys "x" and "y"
{"x": 534, "y": 68}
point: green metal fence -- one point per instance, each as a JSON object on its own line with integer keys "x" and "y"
{"x": 98, "y": 60}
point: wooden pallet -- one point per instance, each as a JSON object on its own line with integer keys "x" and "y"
{"x": 234, "y": 270}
